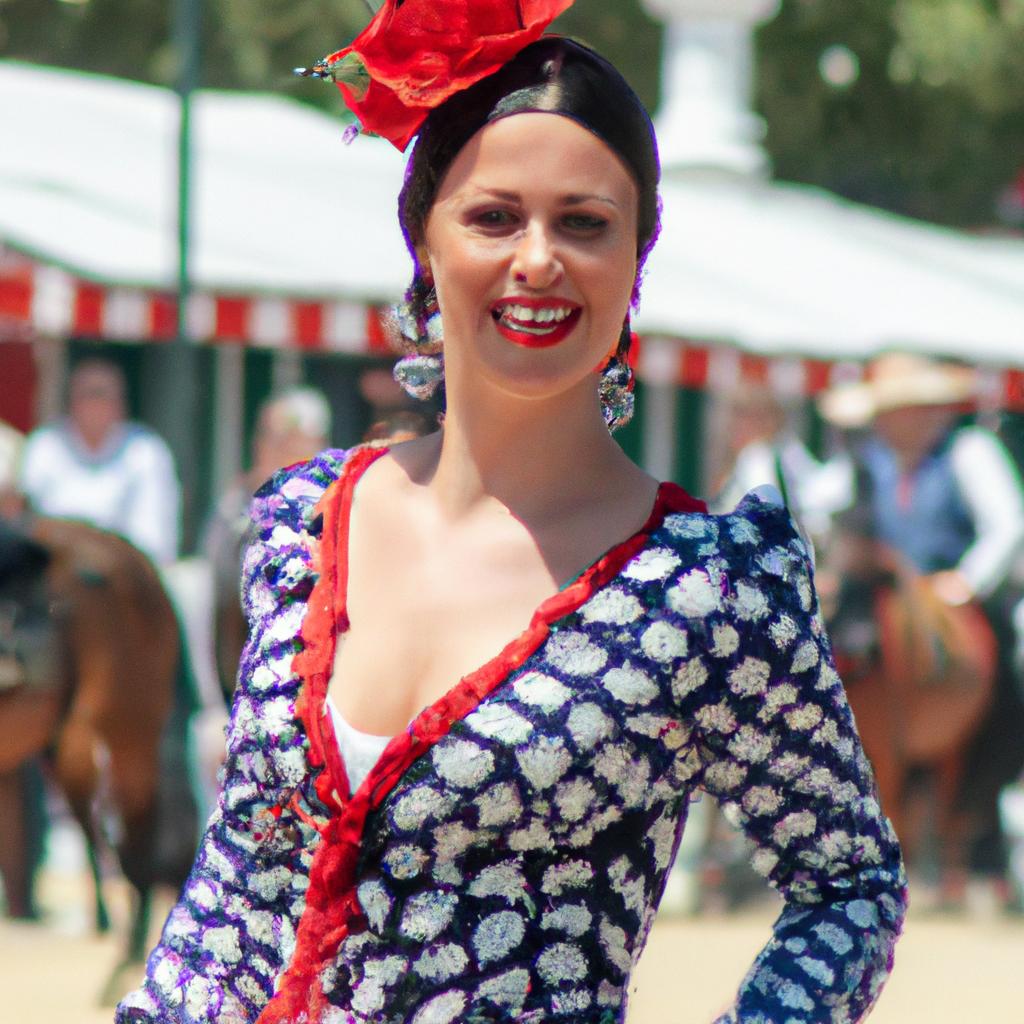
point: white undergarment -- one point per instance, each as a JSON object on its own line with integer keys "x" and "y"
{"x": 359, "y": 750}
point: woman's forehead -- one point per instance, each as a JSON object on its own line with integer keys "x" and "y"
{"x": 539, "y": 151}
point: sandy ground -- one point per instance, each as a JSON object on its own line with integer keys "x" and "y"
{"x": 949, "y": 970}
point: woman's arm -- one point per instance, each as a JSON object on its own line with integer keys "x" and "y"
{"x": 780, "y": 751}
{"x": 233, "y": 929}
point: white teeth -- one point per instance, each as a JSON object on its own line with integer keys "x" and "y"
{"x": 526, "y": 315}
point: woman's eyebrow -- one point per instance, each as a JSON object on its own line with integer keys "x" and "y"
{"x": 572, "y": 199}
{"x": 584, "y": 197}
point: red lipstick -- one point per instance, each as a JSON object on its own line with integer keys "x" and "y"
{"x": 533, "y": 322}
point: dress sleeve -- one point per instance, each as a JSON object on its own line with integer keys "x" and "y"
{"x": 778, "y": 747}
{"x": 233, "y": 929}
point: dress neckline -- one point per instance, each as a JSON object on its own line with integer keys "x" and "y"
{"x": 435, "y": 720}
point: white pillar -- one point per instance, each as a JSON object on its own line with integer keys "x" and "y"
{"x": 706, "y": 119}
{"x": 659, "y": 360}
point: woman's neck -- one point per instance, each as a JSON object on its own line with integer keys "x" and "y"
{"x": 537, "y": 458}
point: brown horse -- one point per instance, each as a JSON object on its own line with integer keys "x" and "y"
{"x": 919, "y": 674}
{"x": 98, "y": 705}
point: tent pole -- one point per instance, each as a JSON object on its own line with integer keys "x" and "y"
{"x": 187, "y": 28}
{"x": 177, "y": 381}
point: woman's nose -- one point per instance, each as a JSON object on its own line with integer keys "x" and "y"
{"x": 536, "y": 263}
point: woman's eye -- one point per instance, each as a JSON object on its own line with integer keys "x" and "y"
{"x": 585, "y": 222}
{"x": 494, "y": 218}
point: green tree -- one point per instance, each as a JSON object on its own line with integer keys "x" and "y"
{"x": 933, "y": 123}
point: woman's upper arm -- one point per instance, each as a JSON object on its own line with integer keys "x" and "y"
{"x": 779, "y": 749}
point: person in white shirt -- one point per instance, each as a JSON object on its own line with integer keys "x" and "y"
{"x": 763, "y": 449}
{"x": 97, "y": 466}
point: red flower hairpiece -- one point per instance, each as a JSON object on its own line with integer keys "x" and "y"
{"x": 414, "y": 54}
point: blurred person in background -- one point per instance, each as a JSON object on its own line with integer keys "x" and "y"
{"x": 290, "y": 427}
{"x": 97, "y": 466}
{"x": 948, "y": 498}
{"x": 399, "y": 425}
{"x": 762, "y": 448}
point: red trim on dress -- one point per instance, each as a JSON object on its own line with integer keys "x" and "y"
{"x": 332, "y": 906}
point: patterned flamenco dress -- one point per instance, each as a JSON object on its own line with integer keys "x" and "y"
{"x": 504, "y": 858}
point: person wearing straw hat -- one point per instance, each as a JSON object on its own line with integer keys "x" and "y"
{"x": 949, "y": 499}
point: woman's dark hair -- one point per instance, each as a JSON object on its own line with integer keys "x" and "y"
{"x": 555, "y": 75}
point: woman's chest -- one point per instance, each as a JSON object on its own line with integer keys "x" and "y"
{"x": 418, "y": 625}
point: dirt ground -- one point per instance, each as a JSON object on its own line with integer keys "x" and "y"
{"x": 949, "y": 970}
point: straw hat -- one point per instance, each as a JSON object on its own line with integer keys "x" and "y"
{"x": 898, "y": 380}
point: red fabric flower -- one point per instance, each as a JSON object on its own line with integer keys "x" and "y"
{"x": 414, "y": 54}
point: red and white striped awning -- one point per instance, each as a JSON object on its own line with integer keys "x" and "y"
{"x": 49, "y": 301}
{"x": 296, "y": 243}
{"x": 720, "y": 368}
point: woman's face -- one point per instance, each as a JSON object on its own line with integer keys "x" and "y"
{"x": 531, "y": 244}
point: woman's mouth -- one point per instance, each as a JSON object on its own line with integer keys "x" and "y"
{"x": 535, "y": 325}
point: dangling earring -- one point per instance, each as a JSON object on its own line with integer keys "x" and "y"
{"x": 421, "y": 371}
{"x": 616, "y": 387}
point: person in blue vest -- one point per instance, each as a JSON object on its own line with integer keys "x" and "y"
{"x": 946, "y": 495}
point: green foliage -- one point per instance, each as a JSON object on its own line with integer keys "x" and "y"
{"x": 108, "y": 36}
{"x": 933, "y": 126}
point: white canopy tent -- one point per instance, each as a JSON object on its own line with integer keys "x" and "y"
{"x": 776, "y": 268}
{"x": 296, "y": 238}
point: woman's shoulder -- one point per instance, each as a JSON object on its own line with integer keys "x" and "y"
{"x": 759, "y": 521}
{"x": 277, "y": 548}
{"x": 756, "y": 544}
{"x": 289, "y": 496}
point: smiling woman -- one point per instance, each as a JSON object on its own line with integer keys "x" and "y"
{"x": 601, "y": 133}
{"x": 488, "y": 669}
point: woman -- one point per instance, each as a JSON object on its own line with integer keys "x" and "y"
{"x": 503, "y": 858}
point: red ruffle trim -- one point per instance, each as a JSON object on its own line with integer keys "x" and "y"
{"x": 332, "y": 907}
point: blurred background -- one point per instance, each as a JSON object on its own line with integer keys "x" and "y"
{"x": 197, "y": 267}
